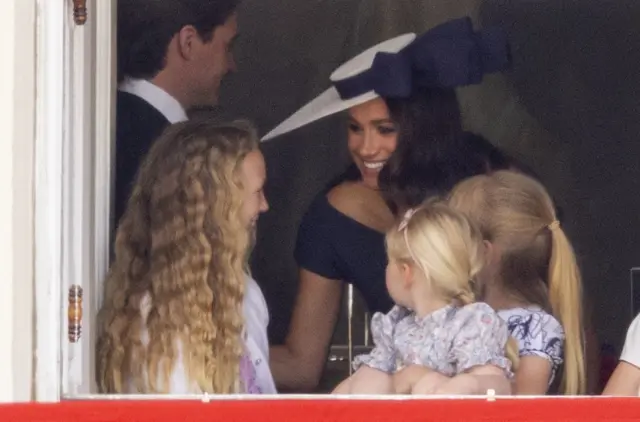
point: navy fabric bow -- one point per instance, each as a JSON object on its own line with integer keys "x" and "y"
{"x": 450, "y": 55}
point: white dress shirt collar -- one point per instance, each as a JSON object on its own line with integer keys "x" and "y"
{"x": 161, "y": 100}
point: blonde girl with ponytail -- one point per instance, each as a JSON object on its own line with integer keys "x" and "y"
{"x": 454, "y": 345}
{"x": 531, "y": 277}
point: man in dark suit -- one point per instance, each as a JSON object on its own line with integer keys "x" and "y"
{"x": 172, "y": 56}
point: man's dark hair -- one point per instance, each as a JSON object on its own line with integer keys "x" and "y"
{"x": 146, "y": 27}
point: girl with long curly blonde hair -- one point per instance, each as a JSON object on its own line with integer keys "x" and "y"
{"x": 172, "y": 319}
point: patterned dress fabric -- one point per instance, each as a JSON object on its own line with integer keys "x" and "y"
{"x": 450, "y": 340}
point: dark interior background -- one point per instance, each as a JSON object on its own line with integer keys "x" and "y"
{"x": 569, "y": 107}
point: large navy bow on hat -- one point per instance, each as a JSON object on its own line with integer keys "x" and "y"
{"x": 450, "y": 55}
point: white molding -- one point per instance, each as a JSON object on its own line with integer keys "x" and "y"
{"x": 50, "y": 114}
{"x": 103, "y": 75}
{"x": 17, "y": 127}
{"x": 490, "y": 396}
{"x": 78, "y": 194}
{"x": 105, "y": 16}
{"x": 74, "y": 132}
{"x": 88, "y": 184}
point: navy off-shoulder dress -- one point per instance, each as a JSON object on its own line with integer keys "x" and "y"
{"x": 335, "y": 246}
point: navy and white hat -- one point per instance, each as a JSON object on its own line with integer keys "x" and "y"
{"x": 449, "y": 55}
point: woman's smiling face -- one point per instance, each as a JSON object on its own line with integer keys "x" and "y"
{"x": 372, "y": 138}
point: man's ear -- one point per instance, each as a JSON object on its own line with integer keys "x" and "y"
{"x": 186, "y": 40}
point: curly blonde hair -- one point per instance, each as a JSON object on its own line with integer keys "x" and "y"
{"x": 182, "y": 244}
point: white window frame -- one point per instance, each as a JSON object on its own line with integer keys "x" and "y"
{"x": 73, "y": 156}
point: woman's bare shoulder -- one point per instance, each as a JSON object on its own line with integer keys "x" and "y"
{"x": 347, "y": 197}
{"x": 361, "y": 204}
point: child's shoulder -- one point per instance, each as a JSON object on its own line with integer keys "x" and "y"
{"x": 477, "y": 308}
{"x": 391, "y": 318}
{"x": 532, "y": 316}
{"x": 478, "y": 322}
{"x": 477, "y": 313}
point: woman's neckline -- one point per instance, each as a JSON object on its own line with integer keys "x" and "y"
{"x": 351, "y": 197}
{"x": 350, "y": 219}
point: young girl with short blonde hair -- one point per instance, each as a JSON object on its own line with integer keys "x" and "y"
{"x": 436, "y": 325}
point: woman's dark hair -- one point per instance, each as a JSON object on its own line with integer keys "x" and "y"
{"x": 518, "y": 165}
{"x": 432, "y": 155}
{"x": 491, "y": 155}
{"x": 145, "y": 28}
{"x": 522, "y": 167}
{"x": 433, "y": 152}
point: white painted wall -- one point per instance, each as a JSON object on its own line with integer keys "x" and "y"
{"x": 17, "y": 132}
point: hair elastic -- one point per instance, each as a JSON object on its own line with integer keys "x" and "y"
{"x": 405, "y": 220}
{"x": 402, "y": 227}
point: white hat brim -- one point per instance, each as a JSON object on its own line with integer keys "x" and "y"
{"x": 330, "y": 102}
{"x": 326, "y": 104}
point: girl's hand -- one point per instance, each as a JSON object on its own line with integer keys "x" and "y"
{"x": 477, "y": 381}
{"x": 407, "y": 377}
{"x": 462, "y": 384}
{"x": 366, "y": 380}
{"x": 429, "y": 384}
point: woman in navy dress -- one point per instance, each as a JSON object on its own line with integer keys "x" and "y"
{"x": 407, "y": 143}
